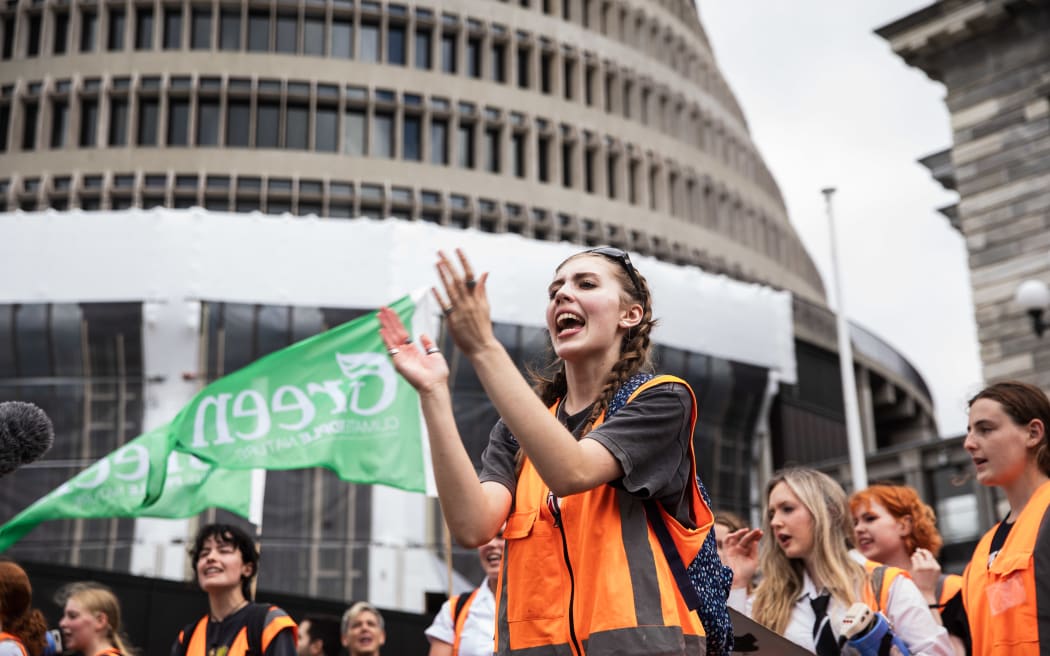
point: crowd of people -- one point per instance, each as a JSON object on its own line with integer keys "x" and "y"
{"x": 588, "y": 517}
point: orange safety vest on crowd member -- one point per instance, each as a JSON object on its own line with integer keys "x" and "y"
{"x": 1008, "y": 602}
{"x": 198, "y": 638}
{"x": 597, "y": 581}
{"x": 4, "y": 635}
{"x": 876, "y": 595}
{"x": 459, "y": 608}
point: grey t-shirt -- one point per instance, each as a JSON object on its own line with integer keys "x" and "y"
{"x": 649, "y": 437}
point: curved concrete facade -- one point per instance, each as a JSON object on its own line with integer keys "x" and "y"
{"x": 591, "y": 121}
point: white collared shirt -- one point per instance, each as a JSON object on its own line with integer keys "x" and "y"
{"x": 906, "y": 610}
{"x": 479, "y": 628}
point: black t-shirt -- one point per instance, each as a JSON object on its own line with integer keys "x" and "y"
{"x": 221, "y": 634}
{"x": 649, "y": 437}
{"x": 953, "y": 615}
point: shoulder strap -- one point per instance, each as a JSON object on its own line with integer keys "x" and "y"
{"x": 878, "y": 575}
{"x": 187, "y": 632}
{"x": 674, "y": 560}
{"x": 255, "y": 625}
{"x": 459, "y": 603}
{"x": 5, "y": 637}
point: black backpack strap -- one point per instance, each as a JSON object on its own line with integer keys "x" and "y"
{"x": 255, "y": 625}
{"x": 461, "y": 603}
{"x": 674, "y": 560}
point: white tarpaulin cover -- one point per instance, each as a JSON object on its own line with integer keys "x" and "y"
{"x": 172, "y": 255}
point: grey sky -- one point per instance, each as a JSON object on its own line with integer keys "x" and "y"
{"x": 830, "y": 105}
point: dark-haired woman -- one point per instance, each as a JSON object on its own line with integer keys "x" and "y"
{"x": 225, "y": 561}
{"x": 22, "y": 627}
{"x": 1006, "y": 586}
{"x": 574, "y": 470}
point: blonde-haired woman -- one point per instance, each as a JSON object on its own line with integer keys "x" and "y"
{"x": 810, "y": 577}
{"x": 90, "y": 623}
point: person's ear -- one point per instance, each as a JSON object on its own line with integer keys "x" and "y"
{"x": 631, "y": 316}
{"x": 904, "y": 526}
{"x": 1036, "y": 433}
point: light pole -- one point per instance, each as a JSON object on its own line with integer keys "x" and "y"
{"x": 857, "y": 464}
{"x": 1034, "y": 298}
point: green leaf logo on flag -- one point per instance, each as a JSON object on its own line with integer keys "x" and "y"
{"x": 115, "y": 486}
{"x": 333, "y": 400}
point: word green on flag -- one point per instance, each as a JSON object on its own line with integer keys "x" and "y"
{"x": 115, "y": 486}
{"x": 333, "y": 400}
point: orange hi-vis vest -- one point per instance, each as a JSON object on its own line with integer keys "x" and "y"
{"x": 876, "y": 595}
{"x": 948, "y": 586}
{"x": 198, "y": 639}
{"x": 1008, "y": 602}
{"x": 459, "y": 612}
{"x": 4, "y": 635}
{"x": 597, "y": 580}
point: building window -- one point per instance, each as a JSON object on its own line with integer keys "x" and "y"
{"x": 499, "y": 63}
{"x": 543, "y": 155}
{"x": 568, "y": 77}
{"x": 258, "y": 31}
{"x": 88, "y": 30}
{"x": 474, "y": 57}
{"x": 448, "y": 52}
{"x": 492, "y": 149}
{"x": 523, "y": 67}
{"x": 439, "y": 141}
{"x": 313, "y": 36}
{"x": 611, "y": 162}
{"x": 230, "y": 29}
{"x": 178, "y": 122}
{"x": 546, "y": 62}
{"x": 382, "y": 135}
{"x": 118, "y": 122}
{"x": 208, "y": 122}
{"x": 61, "y": 33}
{"x": 88, "y": 122}
{"x": 59, "y": 123}
{"x": 200, "y": 35}
{"x": 287, "y": 33}
{"x": 370, "y": 51}
{"x": 465, "y": 146}
{"x": 422, "y": 48}
{"x": 30, "y": 114}
{"x": 354, "y": 132}
{"x": 9, "y": 43}
{"x": 326, "y": 129}
{"x": 143, "y": 28}
{"x": 395, "y": 45}
{"x": 33, "y": 37}
{"x": 115, "y": 37}
{"x": 268, "y": 124}
{"x": 588, "y": 170}
{"x": 411, "y": 145}
{"x": 517, "y": 154}
{"x": 238, "y": 123}
{"x": 149, "y": 117}
{"x": 297, "y": 126}
{"x": 566, "y": 164}
{"x": 172, "y": 28}
{"x": 342, "y": 38}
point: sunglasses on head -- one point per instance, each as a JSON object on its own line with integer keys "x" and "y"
{"x": 620, "y": 256}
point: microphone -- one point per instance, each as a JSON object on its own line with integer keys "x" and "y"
{"x": 26, "y": 434}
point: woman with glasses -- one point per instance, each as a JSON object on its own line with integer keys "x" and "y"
{"x": 588, "y": 467}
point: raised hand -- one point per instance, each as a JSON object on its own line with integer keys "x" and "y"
{"x": 465, "y": 304}
{"x": 740, "y": 553}
{"x": 925, "y": 570}
{"x": 423, "y": 369}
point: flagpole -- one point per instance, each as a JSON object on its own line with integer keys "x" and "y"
{"x": 255, "y": 514}
{"x": 854, "y": 441}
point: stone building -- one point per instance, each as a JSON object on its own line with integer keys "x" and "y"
{"x": 993, "y": 57}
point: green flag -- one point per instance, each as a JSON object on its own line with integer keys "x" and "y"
{"x": 115, "y": 486}
{"x": 333, "y": 400}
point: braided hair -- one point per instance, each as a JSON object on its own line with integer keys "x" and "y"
{"x": 635, "y": 350}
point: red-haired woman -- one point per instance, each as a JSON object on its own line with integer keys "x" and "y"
{"x": 894, "y": 527}
{"x": 22, "y": 627}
